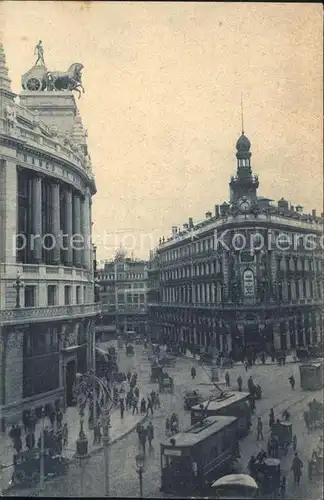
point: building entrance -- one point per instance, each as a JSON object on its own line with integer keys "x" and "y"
{"x": 69, "y": 381}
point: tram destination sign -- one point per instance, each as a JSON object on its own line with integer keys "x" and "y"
{"x": 172, "y": 453}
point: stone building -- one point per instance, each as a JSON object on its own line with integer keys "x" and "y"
{"x": 123, "y": 295}
{"x": 47, "y": 309}
{"x": 248, "y": 276}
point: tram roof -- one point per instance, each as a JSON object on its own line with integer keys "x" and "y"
{"x": 197, "y": 433}
{"x": 222, "y": 401}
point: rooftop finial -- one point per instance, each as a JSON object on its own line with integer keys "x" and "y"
{"x": 242, "y": 114}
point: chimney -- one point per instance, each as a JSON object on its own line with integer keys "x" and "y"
{"x": 217, "y": 211}
{"x": 174, "y": 229}
{"x": 299, "y": 209}
{"x": 314, "y": 213}
{"x": 190, "y": 222}
{"x": 208, "y": 215}
{"x": 185, "y": 226}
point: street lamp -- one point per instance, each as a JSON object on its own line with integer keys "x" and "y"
{"x": 42, "y": 471}
{"x": 140, "y": 468}
{"x": 83, "y": 389}
{"x": 18, "y": 285}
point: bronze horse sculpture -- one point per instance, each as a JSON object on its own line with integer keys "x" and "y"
{"x": 70, "y": 80}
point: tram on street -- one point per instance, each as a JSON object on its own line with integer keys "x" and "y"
{"x": 234, "y": 404}
{"x": 191, "y": 460}
{"x": 311, "y": 375}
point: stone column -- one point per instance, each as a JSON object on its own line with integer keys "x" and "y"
{"x": 36, "y": 244}
{"x": 276, "y": 336}
{"x": 288, "y": 335}
{"x": 77, "y": 246}
{"x": 13, "y": 376}
{"x": 87, "y": 230}
{"x": 68, "y": 227}
{"x": 56, "y": 222}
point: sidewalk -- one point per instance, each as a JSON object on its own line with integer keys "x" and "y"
{"x": 119, "y": 429}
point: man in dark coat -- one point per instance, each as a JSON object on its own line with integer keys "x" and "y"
{"x": 297, "y": 466}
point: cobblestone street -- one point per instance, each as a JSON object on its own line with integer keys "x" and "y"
{"x": 123, "y": 477}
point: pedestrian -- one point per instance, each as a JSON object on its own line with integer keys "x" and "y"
{"x": 18, "y": 430}
{"x": 65, "y": 434}
{"x": 96, "y": 433}
{"x": 271, "y": 418}
{"x": 122, "y": 408}
{"x": 283, "y": 487}
{"x": 13, "y": 432}
{"x": 30, "y": 440}
{"x": 167, "y": 425}
{"x": 252, "y": 404}
{"x": 157, "y": 401}
{"x": 239, "y": 383}
{"x": 17, "y": 443}
{"x": 143, "y": 406}
{"x": 150, "y": 433}
{"x": 135, "y": 405}
{"x": 284, "y": 358}
{"x": 285, "y": 415}
{"x": 129, "y": 398}
{"x": 143, "y": 437}
{"x": 251, "y": 466}
{"x": 52, "y": 417}
{"x": 25, "y": 419}
{"x": 149, "y": 405}
{"x": 59, "y": 418}
{"x": 259, "y": 429}
{"x": 246, "y": 365}
{"x": 297, "y": 466}
{"x": 90, "y": 420}
{"x": 250, "y": 384}
{"x": 136, "y": 392}
{"x": 227, "y": 379}
{"x": 153, "y": 397}
{"x": 306, "y": 419}
{"x": 294, "y": 442}
{"x": 193, "y": 373}
{"x": 129, "y": 376}
{"x": 292, "y": 382}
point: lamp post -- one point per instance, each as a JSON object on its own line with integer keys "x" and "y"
{"x": 139, "y": 470}
{"x": 18, "y": 285}
{"x": 42, "y": 471}
{"x": 83, "y": 389}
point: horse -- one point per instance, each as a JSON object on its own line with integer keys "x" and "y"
{"x": 70, "y": 80}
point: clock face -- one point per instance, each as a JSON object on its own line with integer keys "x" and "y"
{"x": 244, "y": 205}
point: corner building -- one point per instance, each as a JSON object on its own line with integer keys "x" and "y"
{"x": 47, "y": 314}
{"x": 248, "y": 277}
{"x": 123, "y": 296}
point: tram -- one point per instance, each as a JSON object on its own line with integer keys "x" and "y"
{"x": 234, "y": 404}
{"x": 311, "y": 375}
{"x": 193, "y": 459}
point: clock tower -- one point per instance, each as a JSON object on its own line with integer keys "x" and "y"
{"x": 243, "y": 185}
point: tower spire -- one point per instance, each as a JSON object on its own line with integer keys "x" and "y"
{"x": 5, "y": 82}
{"x": 242, "y": 114}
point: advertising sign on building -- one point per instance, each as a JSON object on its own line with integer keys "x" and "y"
{"x": 248, "y": 281}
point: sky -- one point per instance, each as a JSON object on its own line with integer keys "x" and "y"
{"x": 162, "y": 107}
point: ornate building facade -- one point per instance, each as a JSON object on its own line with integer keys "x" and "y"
{"x": 47, "y": 309}
{"x": 123, "y": 295}
{"x": 250, "y": 276}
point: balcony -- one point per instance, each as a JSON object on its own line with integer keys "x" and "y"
{"x": 39, "y": 314}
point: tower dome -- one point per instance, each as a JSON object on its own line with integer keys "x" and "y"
{"x": 243, "y": 143}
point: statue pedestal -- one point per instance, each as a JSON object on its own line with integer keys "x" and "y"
{"x": 214, "y": 374}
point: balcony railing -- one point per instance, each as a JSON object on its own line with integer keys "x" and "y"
{"x": 38, "y": 314}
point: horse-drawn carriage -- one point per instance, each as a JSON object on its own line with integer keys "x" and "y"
{"x": 166, "y": 383}
{"x": 38, "y": 78}
{"x": 316, "y": 463}
{"x": 267, "y": 474}
{"x": 130, "y": 351}
{"x": 156, "y": 372}
{"x": 280, "y": 439}
{"x": 314, "y": 415}
{"x": 27, "y": 467}
{"x": 192, "y": 398}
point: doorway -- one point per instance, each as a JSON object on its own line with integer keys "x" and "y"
{"x": 69, "y": 381}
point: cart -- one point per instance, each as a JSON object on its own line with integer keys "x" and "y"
{"x": 156, "y": 372}
{"x": 130, "y": 350}
{"x": 192, "y": 398}
{"x": 166, "y": 384}
{"x": 268, "y": 476}
{"x": 279, "y": 439}
{"x": 27, "y": 467}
